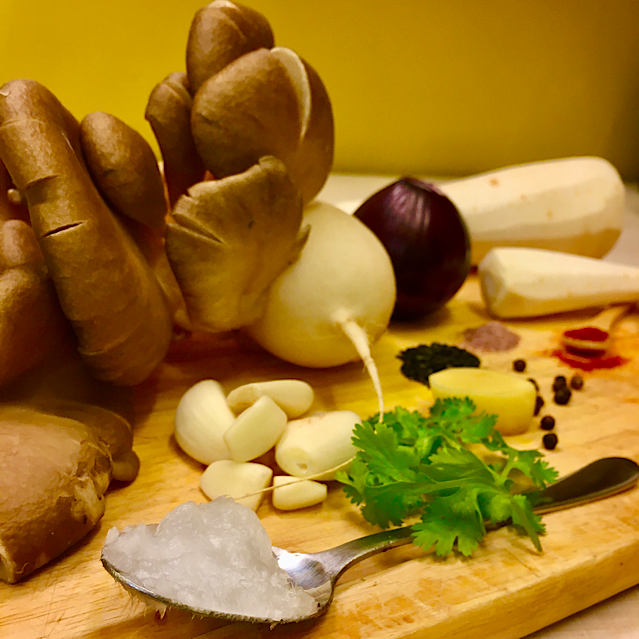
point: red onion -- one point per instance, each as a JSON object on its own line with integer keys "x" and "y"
{"x": 427, "y": 241}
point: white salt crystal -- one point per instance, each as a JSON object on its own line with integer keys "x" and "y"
{"x": 214, "y": 557}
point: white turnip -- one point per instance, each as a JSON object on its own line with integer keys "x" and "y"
{"x": 334, "y": 300}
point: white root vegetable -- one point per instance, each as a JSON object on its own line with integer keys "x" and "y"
{"x": 240, "y": 480}
{"x": 336, "y": 299}
{"x": 316, "y": 444}
{"x": 507, "y": 395}
{"x": 256, "y": 430}
{"x": 293, "y": 396}
{"x": 201, "y": 419}
{"x": 518, "y": 282}
{"x": 574, "y": 205}
{"x": 291, "y": 494}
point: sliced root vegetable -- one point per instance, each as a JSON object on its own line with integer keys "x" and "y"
{"x": 221, "y": 32}
{"x": 336, "y": 299}
{"x": 239, "y": 480}
{"x": 201, "y": 419}
{"x": 573, "y": 205}
{"x": 256, "y": 430}
{"x": 293, "y": 396}
{"x": 55, "y": 473}
{"x": 168, "y": 111}
{"x": 316, "y": 445}
{"x": 518, "y": 282}
{"x": 230, "y": 240}
{"x": 507, "y": 395}
{"x": 291, "y": 494}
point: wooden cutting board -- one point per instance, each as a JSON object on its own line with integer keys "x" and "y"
{"x": 505, "y": 591}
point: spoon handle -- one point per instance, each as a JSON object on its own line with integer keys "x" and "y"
{"x": 601, "y": 478}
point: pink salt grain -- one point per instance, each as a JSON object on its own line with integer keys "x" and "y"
{"x": 492, "y": 337}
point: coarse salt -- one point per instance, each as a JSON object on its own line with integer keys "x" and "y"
{"x": 213, "y": 557}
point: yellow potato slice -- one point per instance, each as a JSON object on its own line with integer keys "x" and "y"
{"x": 507, "y": 395}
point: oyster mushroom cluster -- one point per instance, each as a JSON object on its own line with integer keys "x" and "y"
{"x": 103, "y": 254}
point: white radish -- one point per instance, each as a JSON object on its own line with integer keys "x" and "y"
{"x": 574, "y": 205}
{"x": 201, "y": 419}
{"x": 517, "y": 282}
{"x": 336, "y": 299}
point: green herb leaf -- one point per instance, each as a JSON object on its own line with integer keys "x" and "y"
{"x": 451, "y": 468}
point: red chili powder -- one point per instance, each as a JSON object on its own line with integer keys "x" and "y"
{"x": 589, "y": 363}
{"x": 587, "y": 333}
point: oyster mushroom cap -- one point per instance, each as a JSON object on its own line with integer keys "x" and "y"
{"x": 221, "y": 32}
{"x": 267, "y": 102}
{"x": 104, "y": 285}
{"x": 230, "y": 239}
{"x": 168, "y": 111}
{"x": 124, "y": 168}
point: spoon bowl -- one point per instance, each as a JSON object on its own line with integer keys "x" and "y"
{"x": 594, "y": 338}
{"x": 317, "y": 573}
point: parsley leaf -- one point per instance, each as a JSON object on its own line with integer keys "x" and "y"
{"x": 451, "y": 468}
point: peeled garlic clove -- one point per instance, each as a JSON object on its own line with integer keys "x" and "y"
{"x": 256, "y": 430}
{"x": 317, "y": 443}
{"x": 293, "y": 396}
{"x": 299, "y": 494}
{"x": 237, "y": 480}
{"x": 201, "y": 419}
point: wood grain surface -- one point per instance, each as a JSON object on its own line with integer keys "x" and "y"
{"x": 505, "y": 591}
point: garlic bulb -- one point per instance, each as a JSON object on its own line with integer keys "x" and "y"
{"x": 201, "y": 419}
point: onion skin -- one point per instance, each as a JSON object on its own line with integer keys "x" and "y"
{"x": 427, "y": 240}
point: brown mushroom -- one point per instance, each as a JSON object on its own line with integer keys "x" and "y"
{"x": 123, "y": 167}
{"x": 267, "y": 102}
{"x": 29, "y": 311}
{"x": 105, "y": 286}
{"x": 221, "y": 32}
{"x": 169, "y": 114}
{"x": 125, "y": 170}
{"x": 230, "y": 239}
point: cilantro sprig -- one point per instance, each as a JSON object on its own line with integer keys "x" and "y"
{"x": 409, "y": 465}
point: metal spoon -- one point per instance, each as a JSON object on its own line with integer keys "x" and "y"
{"x": 318, "y": 572}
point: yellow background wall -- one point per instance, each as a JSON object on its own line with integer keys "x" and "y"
{"x": 439, "y": 87}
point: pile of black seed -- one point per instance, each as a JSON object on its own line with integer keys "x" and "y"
{"x": 419, "y": 362}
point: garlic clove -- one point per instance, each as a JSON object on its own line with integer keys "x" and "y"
{"x": 293, "y": 396}
{"x": 237, "y": 480}
{"x": 317, "y": 443}
{"x": 201, "y": 419}
{"x": 291, "y": 493}
{"x": 256, "y": 430}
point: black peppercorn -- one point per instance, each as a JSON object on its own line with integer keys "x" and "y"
{"x": 534, "y": 383}
{"x": 560, "y": 382}
{"x": 576, "y": 382}
{"x": 562, "y": 396}
{"x": 547, "y": 422}
{"x": 550, "y": 441}
{"x": 539, "y": 402}
{"x": 519, "y": 365}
